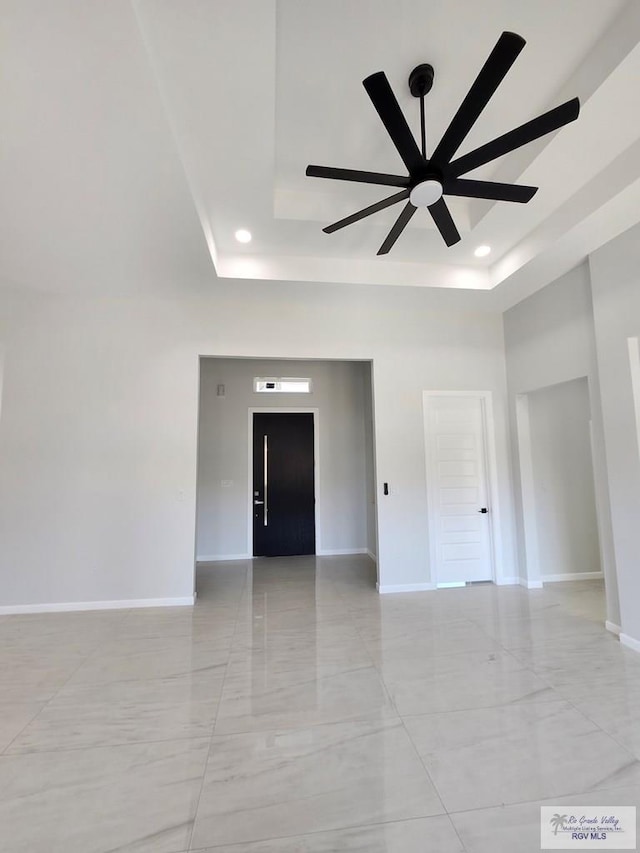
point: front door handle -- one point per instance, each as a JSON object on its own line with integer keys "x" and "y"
{"x": 266, "y": 468}
{"x": 258, "y": 503}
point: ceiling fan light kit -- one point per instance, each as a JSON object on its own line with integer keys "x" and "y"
{"x": 426, "y": 193}
{"x": 432, "y": 177}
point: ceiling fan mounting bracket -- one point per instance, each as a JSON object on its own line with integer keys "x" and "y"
{"x": 421, "y": 80}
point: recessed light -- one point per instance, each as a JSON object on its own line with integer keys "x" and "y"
{"x": 481, "y": 251}
{"x": 243, "y": 236}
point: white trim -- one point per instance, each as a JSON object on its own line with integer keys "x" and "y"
{"x": 496, "y": 553}
{"x": 572, "y": 576}
{"x": 222, "y": 558}
{"x": 371, "y": 555}
{"x": 451, "y": 585}
{"x": 1, "y": 374}
{"x": 120, "y": 604}
{"x": 404, "y": 587}
{"x": 634, "y": 366}
{"x": 611, "y": 626}
{"x": 531, "y": 566}
{"x": 284, "y": 410}
{"x": 630, "y": 642}
{"x": 527, "y": 584}
{"x": 512, "y": 581}
{"x": 340, "y": 552}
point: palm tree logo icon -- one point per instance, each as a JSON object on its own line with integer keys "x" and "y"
{"x": 557, "y": 821}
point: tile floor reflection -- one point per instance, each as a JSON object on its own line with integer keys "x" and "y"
{"x": 295, "y": 710}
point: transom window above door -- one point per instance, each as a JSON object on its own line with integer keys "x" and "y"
{"x": 281, "y": 385}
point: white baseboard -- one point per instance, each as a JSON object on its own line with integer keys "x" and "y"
{"x": 572, "y": 576}
{"x": 371, "y": 555}
{"x": 120, "y": 604}
{"x": 223, "y": 558}
{"x": 510, "y": 581}
{"x": 404, "y": 587}
{"x": 611, "y": 626}
{"x": 452, "y": 585}
{"x": 530, "y": 584}
{"x": 340, "y": 552}
{"x": 630, "y": 642}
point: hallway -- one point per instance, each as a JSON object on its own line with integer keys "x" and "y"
{"x": 294, "y": 709}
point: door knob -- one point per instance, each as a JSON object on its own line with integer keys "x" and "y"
{"x": 483, "y": 510}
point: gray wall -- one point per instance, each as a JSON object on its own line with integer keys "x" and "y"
{"x": 98, "y": 430}
{"x": 339, "y": 393}
{"x": 98, "y": 435}
{"x": 564, "y": 493}
{"x": 615, "y": 278}
{"x": 550, "y": 339}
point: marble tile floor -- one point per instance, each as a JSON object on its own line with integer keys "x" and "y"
{"x": 293, "y": 709}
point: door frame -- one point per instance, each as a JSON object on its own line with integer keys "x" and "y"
{"x": 496, "y": 554}
{"x": 285, "y": 410}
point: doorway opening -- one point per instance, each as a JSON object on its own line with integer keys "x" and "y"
{"x": 559, "y": 497}
{"x": 318, "y": 497}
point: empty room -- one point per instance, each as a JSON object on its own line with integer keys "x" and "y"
{"x": 319, "y": 426}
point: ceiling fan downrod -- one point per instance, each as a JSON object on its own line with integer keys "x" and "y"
{"x": 420, "y": 83}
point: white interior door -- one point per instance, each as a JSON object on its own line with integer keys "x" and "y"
{"x": 459, "y": 524}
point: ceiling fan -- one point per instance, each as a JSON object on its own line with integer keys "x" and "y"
{"x": 431, "y": 178}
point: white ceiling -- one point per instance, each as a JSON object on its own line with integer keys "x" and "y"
{"x": 137, "y": 137}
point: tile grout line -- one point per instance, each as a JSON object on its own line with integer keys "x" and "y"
{"x": 413, "y": 746}
{"x": 431, "y": 780}
{"x": 318, "y": 832}
{"x": 537, "y": 802}
{"x": 215, "y": 720}
{"x": 123, "y": 745}
{"x": 636, "y": 759}
{"x": 55, "y": 695}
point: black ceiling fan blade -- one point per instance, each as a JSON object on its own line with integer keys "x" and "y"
{"x": 500, "y": 60}
{"x": 444, "y": 223}
{"x": 528, "y": 132}
{"x": 357, "y": 175}
{"x": 388, "y": 109}
{"x": 490, "y": 190}
{"x": 367, "y": 211}
{"x": 398, "y": 227}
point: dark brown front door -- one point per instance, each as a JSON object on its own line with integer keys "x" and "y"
{"x": 283, "y": 485}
